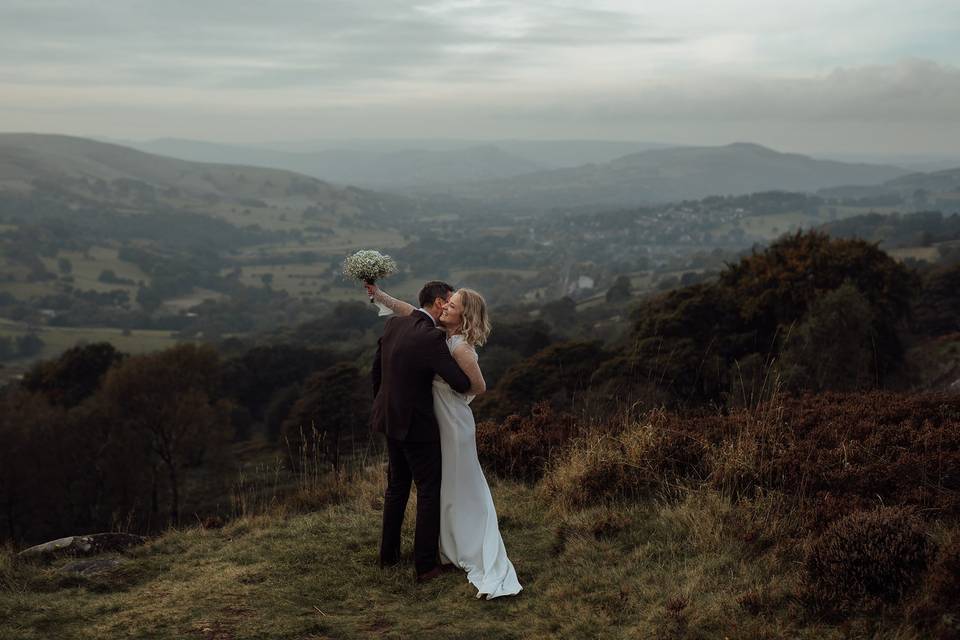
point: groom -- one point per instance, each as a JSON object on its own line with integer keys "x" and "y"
{"x": 411, "y": 351}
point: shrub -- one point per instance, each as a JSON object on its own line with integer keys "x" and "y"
{"x": 944, "y": 579}
{"x": 520, "y": 446}
{"x": 558, "y": 374}
{"x": 867, "y": 555}
{"x": 848, "y": 450}
{"x": 834, "y": 453}
{"x": 827, "y": 454}
{"x": 938, "y": 608}
{"x": 833, "y": 347}
{"x": 689, "y": 340}
{"x": 75, "y": 375}
{"x": 937, "y": 309}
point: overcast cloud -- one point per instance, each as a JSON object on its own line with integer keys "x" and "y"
{"x": 847, "y": 75}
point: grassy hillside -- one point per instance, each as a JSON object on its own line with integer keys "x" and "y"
{"x": 87, "y": 170}
{"x": 652, "y": 526}
{"x": 673, "y": 568}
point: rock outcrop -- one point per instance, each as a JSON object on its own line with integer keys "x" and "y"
{"x": 89, "y": 545}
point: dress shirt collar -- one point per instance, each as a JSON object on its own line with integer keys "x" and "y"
{"x": 426, "y": 313}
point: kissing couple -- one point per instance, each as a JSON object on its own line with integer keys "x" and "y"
{"x": 425, "y": 375}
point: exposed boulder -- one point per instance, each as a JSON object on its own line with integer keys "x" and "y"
{"x": 89, "y": 545}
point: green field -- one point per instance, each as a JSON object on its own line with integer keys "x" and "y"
{"x": 343, "y": 242}
{"x": 930, "y": 254}
{"x": 195, "y": 297}
{"x": 59, "y": 339}
{"x": 87, "y": 268}
{"x": 320, "y": 279}
{"x": 776, "y": 224}
{"x": 772, "y": 226}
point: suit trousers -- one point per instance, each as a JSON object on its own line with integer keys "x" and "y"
{"x": 419, "y": 462}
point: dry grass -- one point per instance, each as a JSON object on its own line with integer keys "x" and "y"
{"x": 645, "y": 529}
{"x": 633, "y": 460}
{"x": 673, "y": 567}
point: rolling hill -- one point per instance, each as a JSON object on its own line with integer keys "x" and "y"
{"x": 663, "y": 175}
{"x": 941, "y": 188}
{"x": 98, "y": 171}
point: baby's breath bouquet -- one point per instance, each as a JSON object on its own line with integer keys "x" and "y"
{"x": 370, "y": 266}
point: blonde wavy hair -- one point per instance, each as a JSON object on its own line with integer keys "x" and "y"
{"x": 474, "y": 321}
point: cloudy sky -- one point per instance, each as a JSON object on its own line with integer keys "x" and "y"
{"x": 872, "y": 76}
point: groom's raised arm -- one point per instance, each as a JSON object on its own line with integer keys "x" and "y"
{"x": 440, "y": 360}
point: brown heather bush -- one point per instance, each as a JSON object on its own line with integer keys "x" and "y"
{"x": 944, "y": 580}
{"x": 808, "y": 473}
{"x": 520, "y": 446}
{"x": 835, "y": 453}
{"x": 826, "y": 455}
{"x": 865, "y": 557}
{"x": 849, "y": 451}
{"x": 938, "y": 608}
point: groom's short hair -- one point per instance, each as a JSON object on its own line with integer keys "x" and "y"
{"x": 433, "y": 290}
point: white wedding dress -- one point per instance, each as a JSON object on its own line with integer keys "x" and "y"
{"x": 469, "y": 535}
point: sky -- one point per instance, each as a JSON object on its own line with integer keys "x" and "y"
{"x": 875, "y": 76}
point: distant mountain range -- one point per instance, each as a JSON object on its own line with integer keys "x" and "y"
{"x": 536, "y": 175}
{"x": 487, "y": 176}
{"x": 667, "y": 175}
{"x": 402, "y": 163}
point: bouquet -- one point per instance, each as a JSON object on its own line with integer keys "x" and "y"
{"x": 370, "y": 266}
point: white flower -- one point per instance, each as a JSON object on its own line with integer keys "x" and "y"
{"x": 368, "y": 266}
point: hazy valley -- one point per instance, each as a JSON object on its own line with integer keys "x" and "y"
{"x": 714, "y": 372}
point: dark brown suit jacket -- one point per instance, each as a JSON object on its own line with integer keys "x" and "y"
{"x": 410, "y": 353}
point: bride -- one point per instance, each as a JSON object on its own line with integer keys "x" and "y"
{"x": 469, "y": 535}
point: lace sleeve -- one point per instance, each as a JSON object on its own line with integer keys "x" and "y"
{"x": 467, "y": 359}
{"x": 399, "y": 307}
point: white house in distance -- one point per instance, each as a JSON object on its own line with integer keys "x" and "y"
{"x": 582, "y": 283}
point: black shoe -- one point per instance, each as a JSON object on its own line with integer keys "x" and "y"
{"x": 436, "y": 572}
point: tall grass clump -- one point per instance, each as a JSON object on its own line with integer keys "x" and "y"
{"x": 318, "y": 481}
{"x": 630, "y": 458}
{"x": 303, "y": 480}
{"x": 257, "y": 492}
